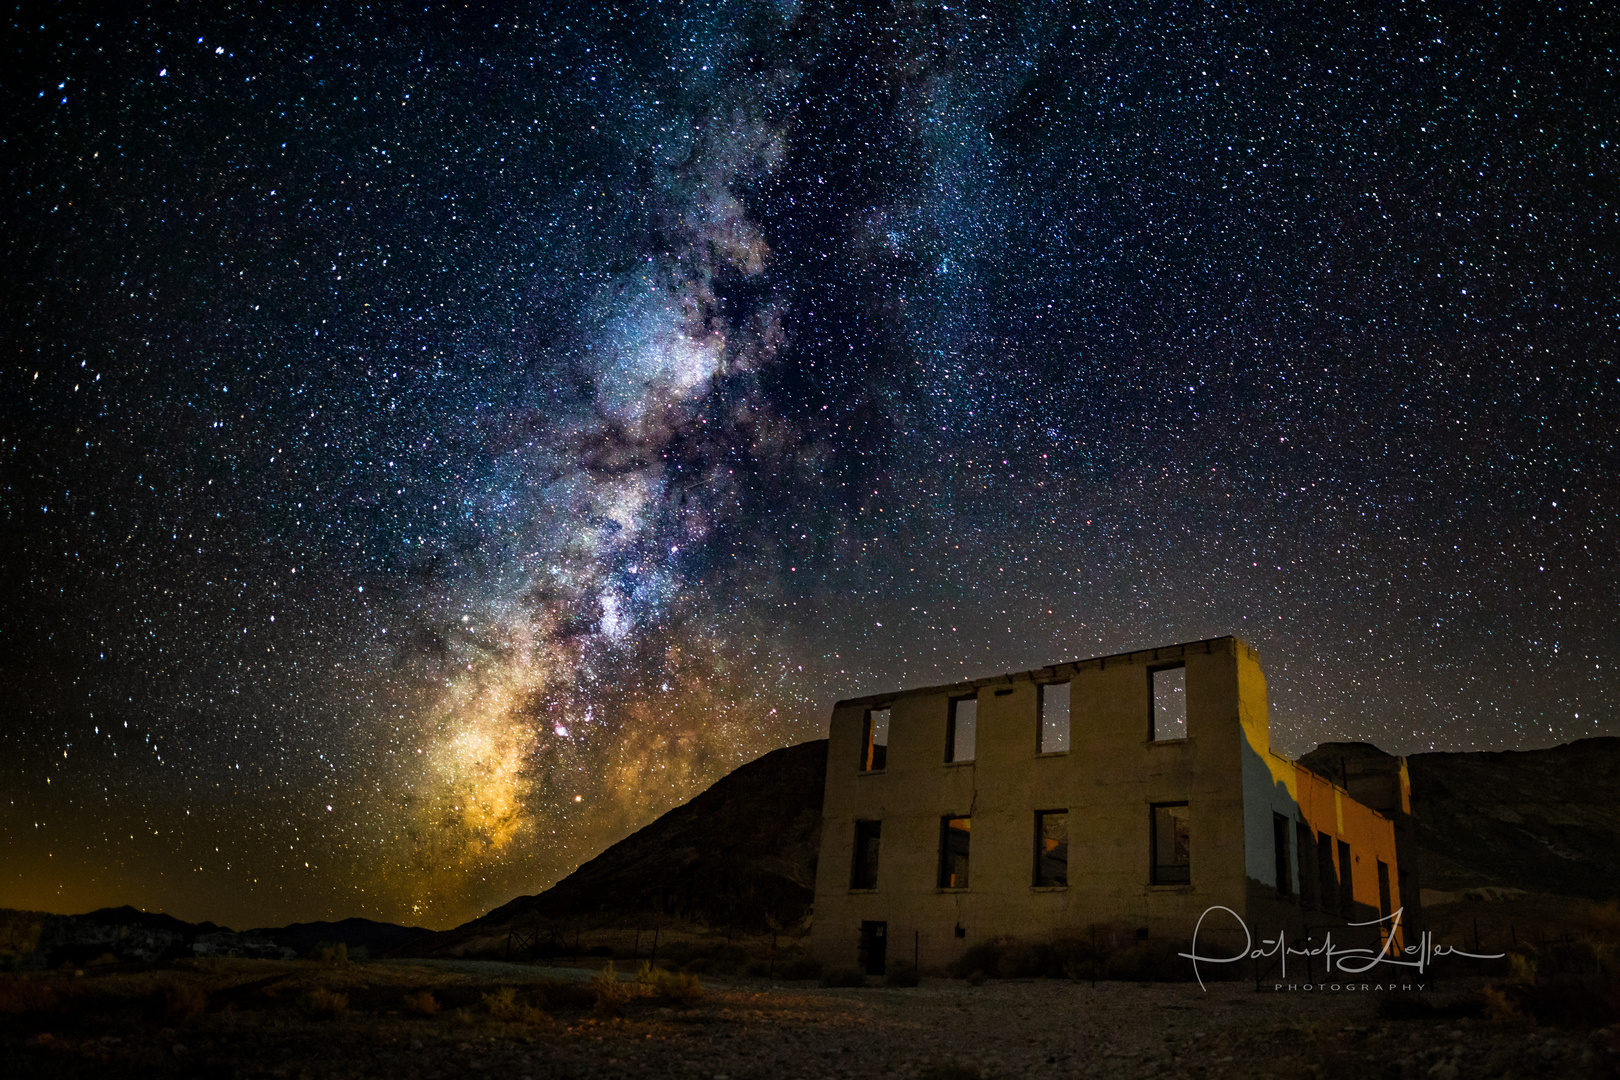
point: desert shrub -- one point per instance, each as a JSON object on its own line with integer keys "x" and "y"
{"x": 22, "y": 996}
{"x": 503, "y": 1004}
{"x": 555, "y": 995}
{"x": 183, "y": 1001}
{"x": 799, "y": 967}
{"x": 1158, "y": 961}
{"x": 611, "y": 994}
{"x": 1413, "y": 1007}
{"x": 332, "y": 955}
{"x": 324, "y": 1004}
{"x": 674, "y": 988}
{"x": 1033, "y": 960}
{"x": 983, "y": 958}
{"x": 1564, "y": 1003}
{"x": 1499, "y": 1008}
{"x": 1522, "y": 967}
{"x": 422, "y": 1004}
{"x": 844, "y": 977}
{"x": 903, "y": 975}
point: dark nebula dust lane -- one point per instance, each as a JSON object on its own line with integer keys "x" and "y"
{"x": 436, "y": 442}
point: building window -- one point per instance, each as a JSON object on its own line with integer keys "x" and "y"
{"x": 867, "y": 837}
{"x": 1054, "y": 716}
{"x": 1347, "y": 890}
{"x": 1051, "y": 847}
{"x": 1327, "y": 882}
{"x": 1279, "y": 845}
{"x": 1169, "y": 690}
{"x": 954, "y": 834}
{"x": 1172, "y": 864}
{"x": 1305, "y": 851}
{"x": 962, "y": 730}
{"x": 875, "y": 741}
{"x": 1385, "y": 901}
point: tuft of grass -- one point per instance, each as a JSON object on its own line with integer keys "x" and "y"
{"x": 503, "y": 1004}
{"x": 675, "y": 988}
{"x": 324, "y": 1004}
{"x": 422, "y": 1004}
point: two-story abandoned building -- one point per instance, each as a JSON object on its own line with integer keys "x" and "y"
{"x": 1131, "y": 791}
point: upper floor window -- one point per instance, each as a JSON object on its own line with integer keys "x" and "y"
{"x": 875, "y": 740}
{"x": 1169, "y": 691}
{"x": 961, "y": 732}
{"x": 1053, "y": 703}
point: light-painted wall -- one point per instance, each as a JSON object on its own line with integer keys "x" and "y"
{"x": 1108, "y": 781}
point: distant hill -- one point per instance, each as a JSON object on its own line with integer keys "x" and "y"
{"x": 1544, "y": 821}
{"x": 378, "y": 937}
{"x": 35, "y": 939}
{"x": 740, "y": 856}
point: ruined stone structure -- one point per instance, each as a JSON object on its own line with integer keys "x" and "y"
{"x": 1130, "y": 791}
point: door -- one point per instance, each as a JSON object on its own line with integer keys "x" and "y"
{"x": 873, "y": 954}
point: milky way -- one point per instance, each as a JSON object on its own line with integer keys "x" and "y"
{"x": 437, "y": 443}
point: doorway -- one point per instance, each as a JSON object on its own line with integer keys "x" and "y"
{"x": 873, "y": 955}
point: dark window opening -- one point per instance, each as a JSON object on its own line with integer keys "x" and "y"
{"x": 1305, "y": 850}
{"x": 875, "y": 741}
{"x": 1051, "y": 847}
{"x": 1169, "y": 690}
{"x": 867, "y": 837}
{"x": 961, "y": 733}
{"x": 1347, "y": 891}
{"x": 1385, "y": 906}
{"x": 1054, "y": 718}
{"x": 872, "y": 957}
{"x": 954, "y": 834}
{"x": 1172, "y": 861}
{"x": 1279, "y": 844}
{"x": 1327, "y": 882}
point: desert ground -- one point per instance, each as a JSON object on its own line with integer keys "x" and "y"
{"x": 407, "y": 1019}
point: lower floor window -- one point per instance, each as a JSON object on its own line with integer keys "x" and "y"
{"x": 1172, "y": 862}
{"x": 1051, "y": 847}
{"x": 954, "y": 834}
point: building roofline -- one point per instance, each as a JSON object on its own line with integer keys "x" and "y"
{"x": 1057, "y": 672}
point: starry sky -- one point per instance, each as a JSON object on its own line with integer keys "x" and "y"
{"x": 437, "y": 441}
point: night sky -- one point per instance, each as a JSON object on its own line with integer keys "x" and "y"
{"x": 436, "y": 442}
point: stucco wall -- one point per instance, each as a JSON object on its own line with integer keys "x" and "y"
{"x": 1108, "y": 781}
